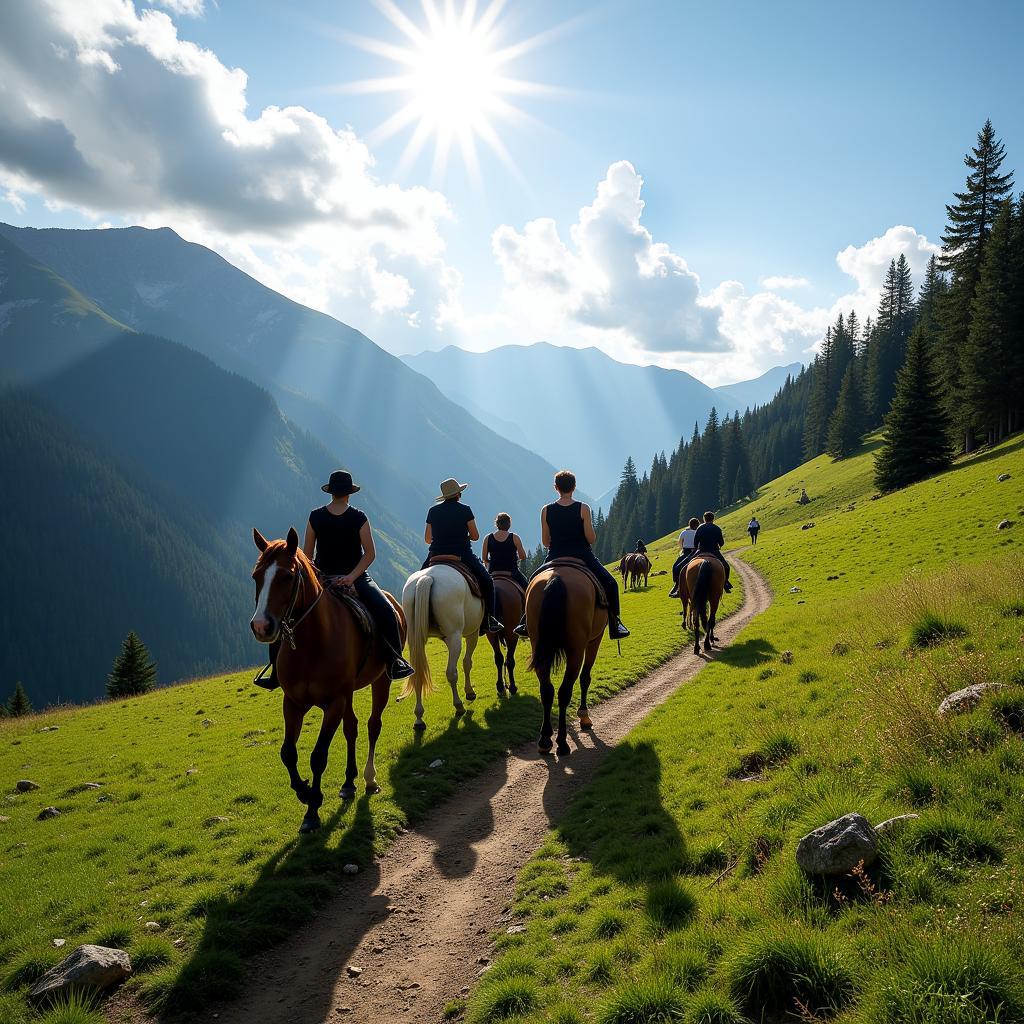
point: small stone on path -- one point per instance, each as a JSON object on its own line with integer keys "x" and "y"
{"x": 515, "y": 929}
{"x": 351, "y": 869}
{"x": 353, "y": 971}
{"x": 25, "y": 785}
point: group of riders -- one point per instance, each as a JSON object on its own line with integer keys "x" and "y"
{"x": 339, "y": 541}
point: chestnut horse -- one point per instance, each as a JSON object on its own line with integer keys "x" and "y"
{"x": 703, "y": 585}
{"x": 325, "y": 658}
{"x": 639, "y": 565}
{"x": 509, "y": 600}
{"x": 566, "y": 625}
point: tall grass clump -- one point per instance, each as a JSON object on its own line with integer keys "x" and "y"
{"x": 649, "y": 999}
{"x": 930, "y": 630}
{"x": 955, "y": 836}
{"x": 670, "y": 904}
{"x": 504, "y": 998}
{"x": 75, "y": 1008}
{"x": 711, "y": 1007}
{"x": 791, "y": 972}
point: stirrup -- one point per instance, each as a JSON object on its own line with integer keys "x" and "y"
{"x": 522, "y": 631}
{"x": 728, "y": 587}
{"x": 494, "y": 625}
{"x": 400, "y": 669}
{"x": 270, "y": 682}
{"x": 620, "y": 632}
{"x": 674, "y": 592}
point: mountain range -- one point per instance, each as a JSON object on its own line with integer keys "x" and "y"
{"x": 580, "y": 408}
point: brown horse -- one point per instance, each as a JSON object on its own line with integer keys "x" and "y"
{"x": 703, "y": 585}
{"x": 637, "y": 565}
{"x": 509, "y": 600}
{"x": 566, "y": 625}
{"x": 325, "y": 658}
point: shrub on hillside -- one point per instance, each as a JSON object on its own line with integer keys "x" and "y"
{"x": 649, "y": 999}
{"x": 929, "y": 630}
{"x": 19, "y": 704}
{"x": 670, "y": 904}
{"x": 133, "y": 672}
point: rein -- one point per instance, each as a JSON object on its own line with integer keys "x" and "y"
{"x": 288, "y": 623}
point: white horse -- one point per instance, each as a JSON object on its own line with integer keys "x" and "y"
{"x": 438, "y": 602}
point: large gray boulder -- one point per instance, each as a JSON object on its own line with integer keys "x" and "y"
{"x": 967, "y": 699}
{"x": 88, "y": 969}
{"x": 838, "y": 847}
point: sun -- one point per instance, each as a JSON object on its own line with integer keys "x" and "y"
{"x": 454, "y": 74}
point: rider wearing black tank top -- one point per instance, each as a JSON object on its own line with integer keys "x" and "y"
{"x": 504, "y": 555}
{"x": 564, "y": 526}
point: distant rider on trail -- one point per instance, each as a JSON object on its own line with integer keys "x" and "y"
{"x": 451, "y": 528}
{"x": 567, "y": 531}
{"x": 339, "y": 541}
{"x": 753, "y": 528}
{"x": 503, "y": 550}
{"x": 709, "y": 540}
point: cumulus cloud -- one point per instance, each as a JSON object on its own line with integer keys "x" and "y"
{"x": 188, "y": 8}
{"x": 612, "y": 277}
{"x": 106, "y": 108}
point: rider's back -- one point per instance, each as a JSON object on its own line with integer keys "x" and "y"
{"x": 565, "y": 530}
{"x": 708, "y": 537}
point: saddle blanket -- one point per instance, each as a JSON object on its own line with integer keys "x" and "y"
{"x": 456, "y": 563}
{"x": 580, "y": 566}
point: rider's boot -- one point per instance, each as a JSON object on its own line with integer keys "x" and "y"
{"x": 400, "y": 669}
{"x": 616, "y": 630}
{"x": 520, "y": 630}
{"x": 267, "y": 679}
{"x": 494, "y": 625}
{"x": 674, "y": 592}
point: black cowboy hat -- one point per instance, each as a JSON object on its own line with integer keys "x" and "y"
{"x": 340, "y": 483}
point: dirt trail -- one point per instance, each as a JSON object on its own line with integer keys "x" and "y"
{"x": 416, "y": 926}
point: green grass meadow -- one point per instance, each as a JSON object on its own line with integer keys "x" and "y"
{"x": 193, "y": 825}
{"x": 671, "y": 893}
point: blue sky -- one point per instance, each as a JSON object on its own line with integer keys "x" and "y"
{"x": 768, "y": 138}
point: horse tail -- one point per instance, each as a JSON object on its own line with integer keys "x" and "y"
{"x": 550, "y": 650}
{"x": 419, "y": 631}
{"x": 702, "y": 589}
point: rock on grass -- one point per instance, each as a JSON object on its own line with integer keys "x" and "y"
{"x": 88, "y": 969}
{"x": 838, "y": 847}
{"x": 967, "y": 699}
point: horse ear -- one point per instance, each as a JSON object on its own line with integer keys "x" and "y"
{"x": 261, "y": 542}
{"x": 293, "y": 540}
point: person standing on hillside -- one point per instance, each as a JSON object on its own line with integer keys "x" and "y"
{"x": 339, "y": 542}
{"x": 567, "y": 530}
{"x": 685, "y": 550}
{"x": 753, "y": 528}
{"x": 503, "y": 550}
{"x": 451, "y": 529}
{"x": 708, "y": 539}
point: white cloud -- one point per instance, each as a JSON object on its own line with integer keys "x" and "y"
{"x": 188, "y": 8}
{"x": 784, "y": 282}
{"x": 106, "y": 109}
{"x": 613, "y": 279}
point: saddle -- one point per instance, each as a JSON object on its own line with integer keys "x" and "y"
{"x": 347, "y": 597}
{"x": 456, "y": 563}
{"x": 509, "y": 578}
{"x": 580, "y": 566}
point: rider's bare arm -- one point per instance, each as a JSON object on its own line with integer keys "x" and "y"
{"x": 545, "y": 533}
{"x": 428, "y": 535}
{"x": 309, "y": 544}
{"x": 487, "y": 544}
{"x": 520, "y": 550}
{"x": 588, "y": 525}
{"x": 474, "y": 532}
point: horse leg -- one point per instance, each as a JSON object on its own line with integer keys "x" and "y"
{"x": 510, "y": 663}
{"x": 318, "y": 760}
{"x": 380, "y": 690}
{"x": 711, "y": 638}
{"x": 451, "y": 672}
{"x": 696, "y": 613}
{"x": 547, "y": 697}
{"x": 350, "y": 728}
{"x": 499, "y": 664}
{"x": 467, "y": 664}
{"x": 293, "y": 716}
{"x": 572, "y": 670}
{"x": 588, "y": 664}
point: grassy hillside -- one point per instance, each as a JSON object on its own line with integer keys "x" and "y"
{"x": 193, "y": 824}
{"x": 826, "y": 705}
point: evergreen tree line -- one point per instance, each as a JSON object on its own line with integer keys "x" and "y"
{"x": 942, "y": 370}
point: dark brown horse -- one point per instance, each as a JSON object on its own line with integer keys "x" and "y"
{"x": 326, "y": 656}
{"x": 566, "y": 624}
{"x": 637, "y": 565}
{"x": 702, "y": 586}
{"x": 509, "y": 600}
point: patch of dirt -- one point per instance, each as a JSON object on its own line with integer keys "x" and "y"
{"x": 414, "y": 931}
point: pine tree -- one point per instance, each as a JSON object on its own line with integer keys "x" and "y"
{"x": 889, "y": 342}
{"x": 133, "y": 672}
{"x": 916, "y": 441}
{"x": 846, "y": 425}
{"x": 970, "y": 221}
{"x": 988, "y": 359}
{"x": 19, "y": 704}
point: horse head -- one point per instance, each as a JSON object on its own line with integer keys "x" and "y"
{"x": 277, "y": 577}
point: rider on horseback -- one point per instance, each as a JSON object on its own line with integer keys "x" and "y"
{"x": 339, "y": 541}
{"x": 641, "y": 547}
{"x": 708, "y": 539}
{"x": 503, "y": 550}
{"x": 451, "y": 528}
{"x": 567, "y": 530}
{"x": 685, "y": 549}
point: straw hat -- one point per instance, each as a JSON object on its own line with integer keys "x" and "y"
{"x": 450, "y": 488}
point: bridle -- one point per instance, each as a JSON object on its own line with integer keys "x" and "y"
{"x": 288, "y": 622}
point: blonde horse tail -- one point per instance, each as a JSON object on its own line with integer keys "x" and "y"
{"x": 419, "y": 630}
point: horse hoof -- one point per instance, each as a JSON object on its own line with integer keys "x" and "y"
{"x": 513, "y": 689}
{"x": 501, "y": 691}
{"x": 309, "y": 824}
{"x": 544, "y": 745}
{"x": 419, "y": 725}
{"x": 471, "y": 696}
{"x": 348, "y": 791}
{"x": 460, "y": 710}
{"x": 372, "y": 789}
{"x": 563, "y": 749}
{"x": 586, "y": 722}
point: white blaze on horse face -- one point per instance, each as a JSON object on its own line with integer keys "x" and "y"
{"x": 260, "y": 615}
